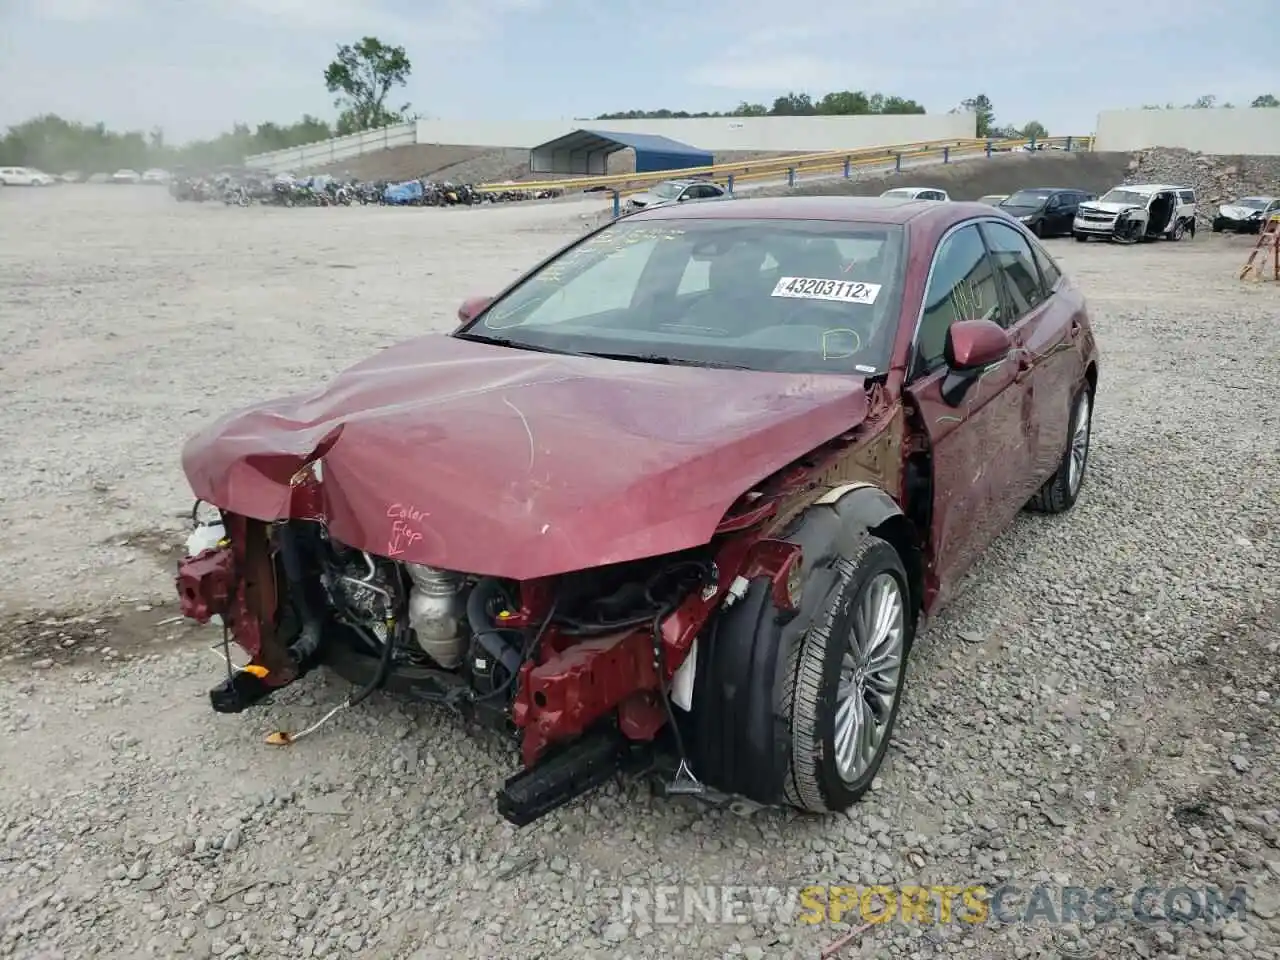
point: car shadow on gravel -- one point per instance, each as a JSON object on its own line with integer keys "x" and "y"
{"x": 42, "y": 640}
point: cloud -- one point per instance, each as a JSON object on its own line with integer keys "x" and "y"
{"x": 82, "y": 11}
{"x": 136, "y": 64}
{"x": 771, "y": 75}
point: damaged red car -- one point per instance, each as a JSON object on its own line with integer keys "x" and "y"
{"x": 678, "y": 499}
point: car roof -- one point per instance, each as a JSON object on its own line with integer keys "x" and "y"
{"x": 887, "y": 210}
{"x": 1152, "y": 187}
{"x": 1258, "y": 197}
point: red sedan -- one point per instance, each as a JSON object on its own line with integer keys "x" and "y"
{"x": 680, "y": 496}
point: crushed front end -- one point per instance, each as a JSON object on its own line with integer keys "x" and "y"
{"x": 578, "y": 669}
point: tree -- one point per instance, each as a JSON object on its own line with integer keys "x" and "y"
{"x": 1035, "y": 130}
{"x": 793, "y": 105}
{"x": 981, "y": 107}
{"x": 363, "y": 75}
{"x": 1266, "y": 100}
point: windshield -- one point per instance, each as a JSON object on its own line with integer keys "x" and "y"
{"x": 666, "y": 191}
{"x": 1125, "y": 196}
{"x": 1027, "y": 198}
{"x": 793, "y": 296}
{"x": 1253, "y": 203}
{"x": 899, "y": 192}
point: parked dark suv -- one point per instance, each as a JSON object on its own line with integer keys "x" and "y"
{"x": 1046, "y": 211}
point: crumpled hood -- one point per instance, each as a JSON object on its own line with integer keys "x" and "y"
{"x": 1109, "y": 207}
{"x": 492, "y": 460}
{"x": 1237, "y": 213}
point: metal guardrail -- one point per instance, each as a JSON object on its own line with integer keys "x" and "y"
{"x": 791, "y": 166}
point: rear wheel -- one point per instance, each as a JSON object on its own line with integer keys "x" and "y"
{"x": 1179, "y": 230}
{"x": 844, "y": 681}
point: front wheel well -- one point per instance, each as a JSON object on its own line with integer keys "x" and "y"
{"x": 898, "y": 532}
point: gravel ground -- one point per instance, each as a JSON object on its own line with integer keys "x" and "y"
{"x": 1099, "y": 706}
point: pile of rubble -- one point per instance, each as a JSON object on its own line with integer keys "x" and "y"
{"x": 1217, "y": 179}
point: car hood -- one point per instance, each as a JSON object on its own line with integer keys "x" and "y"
{"x": 494, "y": 460}
{"x": 1110, "y": 207}
{"x": 1238, "y": 213}
{"x": 1021, "y": 211}
{"x": 648, "y": 200}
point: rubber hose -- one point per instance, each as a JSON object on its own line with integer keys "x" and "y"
{"x": 483, "y": 628}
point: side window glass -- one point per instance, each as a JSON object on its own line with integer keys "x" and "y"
{"x": 1014, "y": 259}
{"x": 1048, "y": 269}
{"x": 961, "y": 287}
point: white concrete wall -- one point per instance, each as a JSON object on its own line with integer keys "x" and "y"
{"x": 785, "y": 134}
{"x": 301, "y": 159}
{"x": 1243, "y": 130}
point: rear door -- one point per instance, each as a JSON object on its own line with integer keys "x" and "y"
{"x": 979, "y": 444}
{"x": 1068, "y": 204}
{"x": 1045, "y": 314}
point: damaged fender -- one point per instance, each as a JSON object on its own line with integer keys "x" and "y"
{"x": 742, "y": 732}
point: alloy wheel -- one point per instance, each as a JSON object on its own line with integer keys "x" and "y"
{"x": 1079, "y": 453}
{"x": 869, "y": 675}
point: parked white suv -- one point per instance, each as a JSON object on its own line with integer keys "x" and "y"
{"x": 25, "y": 177}
{"x": 1139, "y": 211}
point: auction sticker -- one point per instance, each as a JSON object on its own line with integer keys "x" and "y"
{"x": 812, "y": 288}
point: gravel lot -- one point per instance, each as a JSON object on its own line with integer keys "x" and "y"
{"x": 1100, "y": 706}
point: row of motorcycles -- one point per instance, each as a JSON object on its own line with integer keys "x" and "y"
{"x": 286, "y": 190}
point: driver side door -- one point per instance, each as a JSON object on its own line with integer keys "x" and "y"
{"x": 977, "y": 438}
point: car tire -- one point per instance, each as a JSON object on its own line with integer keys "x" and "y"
{"x": 1080, "y": 237}
{"x": 1217, "y": 227}
{"x": 1178, "y": 232}
{"x": 1060, "y": 492}
{"x": 826, "y": 679}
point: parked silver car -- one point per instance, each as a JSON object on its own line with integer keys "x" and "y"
{"x": 677, "y": 191}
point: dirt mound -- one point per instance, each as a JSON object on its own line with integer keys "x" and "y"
{"x": 971, "y": 179}
{"x": 1217, "y": 179}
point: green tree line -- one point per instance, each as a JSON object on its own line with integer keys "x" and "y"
{"x": 841, "y": 103}
{"x": 56, "y": 145}
{"x": 362, "y": 76}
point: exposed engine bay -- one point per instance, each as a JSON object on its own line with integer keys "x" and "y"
{"x": 512, "y": 656}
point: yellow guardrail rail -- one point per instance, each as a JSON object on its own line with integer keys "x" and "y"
{"x": 792, "y": 166}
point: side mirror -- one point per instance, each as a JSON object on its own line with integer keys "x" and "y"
{"x": 471, "y": 308}
{"x": 971, "y": 345}
{"x": 974, "y": 344}
{"x": 682, "y": 198}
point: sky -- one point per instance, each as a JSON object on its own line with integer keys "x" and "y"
{"x": 194, "y": 67}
